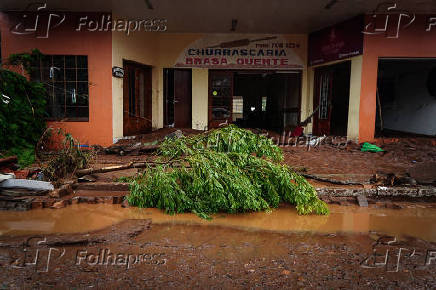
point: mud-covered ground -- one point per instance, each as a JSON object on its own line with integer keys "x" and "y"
{"x": 139, "y": 254}
{"x": 412, "y": 157}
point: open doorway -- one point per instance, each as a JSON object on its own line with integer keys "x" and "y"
{"x": 331, "y": 99}
{"x": 406, "y": 97}
{"x": 255, "y": 99}
{"x": 178, "y": 98}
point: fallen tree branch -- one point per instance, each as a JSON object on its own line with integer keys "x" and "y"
{"x": 87, "y": 171}
{"x": 333, "y": 181}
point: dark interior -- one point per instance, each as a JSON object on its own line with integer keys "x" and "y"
{"x": 406, "y": 103}
{"x": 340, "y": 100}
{"x": 270, "y": 100}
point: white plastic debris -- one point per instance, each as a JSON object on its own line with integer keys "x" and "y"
{"x": 6, "y": 176}
{"x": 27, "y": 183}
{"x": 5, "y": 99}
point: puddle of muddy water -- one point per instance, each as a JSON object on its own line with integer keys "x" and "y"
{"x": 415, "y": 222}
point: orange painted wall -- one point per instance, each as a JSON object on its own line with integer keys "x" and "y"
{"x": 413, "y": 42}
{"x": 65, "y": 40}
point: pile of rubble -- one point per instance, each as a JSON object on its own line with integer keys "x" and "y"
{"x": 16, "y": 191}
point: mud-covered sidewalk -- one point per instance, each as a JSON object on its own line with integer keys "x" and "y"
{"x": 335, "y": 167}
{"x": 139, "y": 254}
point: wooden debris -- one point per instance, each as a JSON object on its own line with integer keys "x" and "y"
{"x": 8, "y": 160}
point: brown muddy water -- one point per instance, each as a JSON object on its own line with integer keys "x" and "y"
{"x": 414, "y": 220}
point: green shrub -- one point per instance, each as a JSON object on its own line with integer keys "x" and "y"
{"x": 22, "y": 115}
{"x": 238, "y": 172}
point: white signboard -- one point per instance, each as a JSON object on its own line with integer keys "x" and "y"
{"x": 241, "y": 51}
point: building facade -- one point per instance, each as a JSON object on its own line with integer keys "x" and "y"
{"x": 353, "y": 78}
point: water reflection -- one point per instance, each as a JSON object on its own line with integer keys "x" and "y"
{"x": 415, "y": 221}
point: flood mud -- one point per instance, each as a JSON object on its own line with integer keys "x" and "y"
{"x": 413, "y": 220}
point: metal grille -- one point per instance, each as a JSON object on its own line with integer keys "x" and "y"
{"x": 66, "y": 80}
{"x": 323, "y": 96}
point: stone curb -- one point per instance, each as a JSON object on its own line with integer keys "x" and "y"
{"x": 427, "y": 191}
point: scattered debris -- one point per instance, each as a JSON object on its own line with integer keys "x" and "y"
{"x": 62, "y": 191}
{"x": 26, "y": 184}
{"x": 4, "y": 162}
{"x": 135, "y": 149}
{"x": 6, "y": 176}
{"x": 59, "y": 204}
{"x": 87, "y": 178}
{"x": 175, "y": 135}
{"x": 368, "y": 147}
{"x": 88, "y": 171}
{"x": 341, "y": 179}
{"x": 363, "y": 202}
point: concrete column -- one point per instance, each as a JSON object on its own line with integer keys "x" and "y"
{"x": 200, "y": 95}
{"x": 307, "y": 101}
{"x": 354, "y": 102}
{"x": 157, "y": 97}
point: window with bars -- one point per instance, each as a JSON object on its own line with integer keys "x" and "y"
{"x": 66, "y": 80}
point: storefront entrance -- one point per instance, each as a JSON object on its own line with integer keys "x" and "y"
{"x": 178, "y": 98}
{"x": 331, "y": 99}
{"x": 137, "y": 108}
{"x": 255, "y": 99}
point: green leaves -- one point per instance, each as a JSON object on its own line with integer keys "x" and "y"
{"x": 22, "y": 115}
{"x": 226, "y": 170}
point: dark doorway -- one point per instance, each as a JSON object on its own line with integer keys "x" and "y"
{"x": 137, "y": 111}
{"x": 178, "y": 98}
{"x": 331, "y": 99}
{"x": 255, "y": 99}
{"x": 406, "y": 91}
{"x": 220, "y": 98}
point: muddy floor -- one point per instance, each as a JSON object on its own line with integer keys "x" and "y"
{"x": 407, "y": 157}
{"x": 137, "y": 253}
{"x": 411, "y": 157}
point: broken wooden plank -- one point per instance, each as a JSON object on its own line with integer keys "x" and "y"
{"x": 8, "y": 160}
{"x": 327, "y": 178}
{"x": 89, "y": 171}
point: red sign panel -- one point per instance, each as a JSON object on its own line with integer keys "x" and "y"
{"x": 337, "y": 42}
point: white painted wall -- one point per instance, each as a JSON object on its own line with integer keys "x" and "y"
{"x": 414, "y": 109}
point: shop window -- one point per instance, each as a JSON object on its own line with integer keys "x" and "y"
{"x": 66, "y": 80}
{"x": 263, "y": 104}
